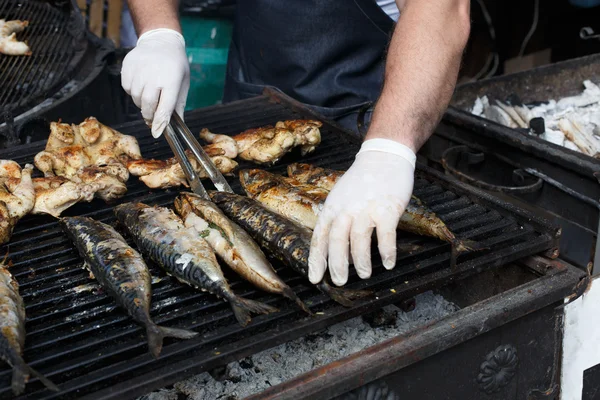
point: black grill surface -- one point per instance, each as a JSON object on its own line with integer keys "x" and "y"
{"x": 55, "y": 39}
{"x": 79, "y": 338}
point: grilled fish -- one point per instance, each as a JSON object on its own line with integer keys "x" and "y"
{"x": 122, "y": 272}
{"x": 309, "y": 174}
{"x": 417, "y": 217}
{"x": 232, "y": 244}
{"x": 161, "y": 235}
{"x": 284, "y": 239}
{"x": 291, "y": 199}
{"x": 12, "y": 334}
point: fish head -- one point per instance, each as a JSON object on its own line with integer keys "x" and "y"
{"x": 128, "y": 210}
{"x": 256, "y": 181}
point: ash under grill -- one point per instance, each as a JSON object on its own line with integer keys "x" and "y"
{"x": 79, "y": 338}
{"x": 57, "y": 42}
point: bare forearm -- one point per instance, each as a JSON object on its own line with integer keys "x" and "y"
{"x": 153, "y": 14}
{"x": 421, "y": 70}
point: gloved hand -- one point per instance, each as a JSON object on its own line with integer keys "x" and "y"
{"x": 156, "y": 74}
{"x": 372, "y": 194}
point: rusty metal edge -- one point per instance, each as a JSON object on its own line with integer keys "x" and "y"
{"x": 392, "y": 355}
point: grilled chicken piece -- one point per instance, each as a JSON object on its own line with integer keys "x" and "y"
{"x": 9, "y": 44}
{"x": 163, "y": 174}
{"x": 105, "y": 185}
{"x": 220, "y": 145}
{"x": 72, "y": 147}
{"x": 17, "y": 196}
{"x": 55, "y": 194}
{"x": 268, "y": 144}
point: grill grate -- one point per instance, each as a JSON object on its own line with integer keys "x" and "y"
{"x": 92, "y": 349}
{"x": 52, "y": 36}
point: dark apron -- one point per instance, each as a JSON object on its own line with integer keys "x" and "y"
{"x": 326, "y": 54}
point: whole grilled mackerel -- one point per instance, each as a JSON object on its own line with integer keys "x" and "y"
{"x": 233, "y": 245}
{"x": 417, "y": 217}
{"x": 284, "y": 239}
{"x": 122, "y": 272}
{"x": 12, "y": 334}
{"x": 182, "y": 253}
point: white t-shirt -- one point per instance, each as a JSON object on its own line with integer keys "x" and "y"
{"x": 390, "y": 8}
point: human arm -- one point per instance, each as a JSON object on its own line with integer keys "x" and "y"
{"x": 421, "y": 71}
{"x": 156, "y": 72}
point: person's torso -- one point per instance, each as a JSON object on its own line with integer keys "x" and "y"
{"x": 324, "y": 53}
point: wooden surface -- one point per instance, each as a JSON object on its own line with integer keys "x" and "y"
{"x": 103, "y": 18}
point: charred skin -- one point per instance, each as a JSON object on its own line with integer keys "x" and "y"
{"x": 12, "y": 334}
{"x": 323, "y": 178}
{"x": 163, "y": 238}
{"x": 233, "y": 245}
{"x": 122, "y": 272}
{"x": 288, "y": 242}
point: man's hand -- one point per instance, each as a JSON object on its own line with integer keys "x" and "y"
{"x": 421, "y": 70}
{"x": 372, "y": 194}
{"x": 156, "y": 74}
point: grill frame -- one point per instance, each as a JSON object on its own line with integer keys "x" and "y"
{"x": 137, "y": 372}
{"x": 58, "y": 43}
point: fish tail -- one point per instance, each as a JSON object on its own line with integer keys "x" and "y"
{"x": 344, "y": 297}
{"x": 463, "y": 246}
{"x": 243, "y": 307}
{"x": 289, "y": 293}
{"x": 156, "y": 334}
{"x": 20, "y": 376}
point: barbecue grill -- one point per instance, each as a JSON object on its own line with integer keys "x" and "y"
{"x": 522, "y": 167}
{"x": 79, "y": 338}
{"x": 66, "y": 75}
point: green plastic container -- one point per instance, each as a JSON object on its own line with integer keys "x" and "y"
{"x": 207, "y": 43}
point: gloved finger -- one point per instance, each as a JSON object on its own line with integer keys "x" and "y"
{"x": 150, "y": 97}
{"x": 386, "y": 222}
{"x": 317, "y": 258}
{"x": 166, "y": 106}
{"x": 339, "y": 240}
{"x": 360, "y": 245}
{"x": 137, "y": 87}
{"x": 183, "y": 94}
{"x": 126, "y": 76}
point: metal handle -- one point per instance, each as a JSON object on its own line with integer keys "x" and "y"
{"x": 453, "y": 155}
{"x": 188, "y": 169}
{"x": 215, "y": 175}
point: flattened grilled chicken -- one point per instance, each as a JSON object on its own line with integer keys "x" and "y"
{"x": 80, "y": 162}
{"x": 220, "y": 145}
{"x": 71, "y": 147}
{"x": 268, "y": 144}
{"x": 9, "y": 44}
{"x": 163, "y": 174}
{"x": 17, "y": 196}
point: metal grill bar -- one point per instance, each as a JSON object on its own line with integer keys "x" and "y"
{"x": 80, "y": 339}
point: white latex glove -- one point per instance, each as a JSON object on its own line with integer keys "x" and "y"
{"x": 372, "y": 194}
{"x": 156, "y": 74}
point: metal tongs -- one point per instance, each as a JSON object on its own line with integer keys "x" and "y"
{"x": 178, "y": 127}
